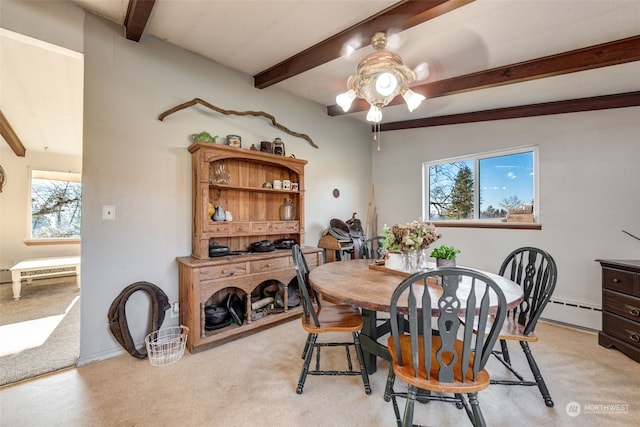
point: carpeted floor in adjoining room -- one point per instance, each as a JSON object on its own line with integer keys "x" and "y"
{"x": 252, "y": 381}
{"x": 40, "y": 333}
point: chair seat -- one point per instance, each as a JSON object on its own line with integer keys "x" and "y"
{"x": 406, "y": 372}
{"x": 511, "y": 330}
{"x": 335, "y": 318}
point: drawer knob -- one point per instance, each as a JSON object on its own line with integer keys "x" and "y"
{"x": 634, "y": 311}
{"x": 634, "y": 337}
{"x": 269, "y": 265}
{"x": 616, "y": 280}
{"x": 225, "y": 271}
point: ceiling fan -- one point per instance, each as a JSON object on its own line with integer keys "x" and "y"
{"x": 381, "y": 76}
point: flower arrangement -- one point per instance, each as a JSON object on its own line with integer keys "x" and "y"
{"x": 409, "y": 237}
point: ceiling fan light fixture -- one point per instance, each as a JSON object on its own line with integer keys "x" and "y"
{"x": 374, "y": 115}
{"x": 386, "y": 84}
{"x": 412, "y": 99}
{"x": 381, "y": 77}
{"x": 344, "y": 100}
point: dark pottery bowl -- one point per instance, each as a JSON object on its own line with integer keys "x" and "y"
{"x": 215, "y": 315}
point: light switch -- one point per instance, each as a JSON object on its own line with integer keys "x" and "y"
{"x": 108, "y": 212}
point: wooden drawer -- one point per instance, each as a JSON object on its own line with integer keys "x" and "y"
{"x": 217, "y": 227}
{"x": 312, "y": 259}
{"x": 619, "y": 280}
{"x": 220, "y": 271}
{"x": 621, "y": 304}
{"x": 277, "y": 227}
{"x": 269, "y": 264}
{"x": 240, "y": 227}
{"x": 260, "y": 227}
{"x": 291, "y": 226}
{"x": 621, "y": 328}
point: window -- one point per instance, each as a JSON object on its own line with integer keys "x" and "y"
{"x": 479, "y": 187}
{"x": 56, "y": 200}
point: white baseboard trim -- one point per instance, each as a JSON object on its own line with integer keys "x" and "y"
{"x": 573, "y": 313}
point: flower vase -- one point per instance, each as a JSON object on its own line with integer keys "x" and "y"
{"x": 394, "y": 261}
{"x": 410, "y": 261}
{"x": 423, "y": 259}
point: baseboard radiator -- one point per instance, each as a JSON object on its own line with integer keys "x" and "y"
{"x": 575, "y": 313}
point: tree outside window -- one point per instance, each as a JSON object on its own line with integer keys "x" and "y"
{"x": 479, "y": 187}
{"x": 56, "y": 200}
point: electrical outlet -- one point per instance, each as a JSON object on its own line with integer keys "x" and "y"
{"x": 175, "y": 309}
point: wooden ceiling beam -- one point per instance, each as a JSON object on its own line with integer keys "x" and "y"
{"x": 621, "y": 100}
{"x": 10, "y": 136}
{"x": 400, "y": 17}
{"x": 589, "y": 58}
{"x": 137, "y": 16}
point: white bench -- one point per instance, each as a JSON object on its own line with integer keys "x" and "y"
{"x": 30, "y": 269}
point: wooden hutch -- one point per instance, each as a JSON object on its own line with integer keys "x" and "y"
{"x": 233, "y": 178}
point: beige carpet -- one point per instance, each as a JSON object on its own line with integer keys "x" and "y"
{"x": 40, "y": 333}
{"x": 252, "y": 381}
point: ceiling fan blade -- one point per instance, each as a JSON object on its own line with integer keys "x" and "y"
{"x": 352, "y": 45}
{"x": 422, "y": 71}
{"x": 395, "y": 40}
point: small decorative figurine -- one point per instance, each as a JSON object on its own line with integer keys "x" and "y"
{"x": 234, "y": 141}
{"x": 278, "y": 147}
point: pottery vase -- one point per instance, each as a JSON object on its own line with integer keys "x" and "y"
{"x": 219, "y": 214}
{"x": 394, "y": 261}
{"x": 287, "y": 210}
{"x": 445, "y": 263}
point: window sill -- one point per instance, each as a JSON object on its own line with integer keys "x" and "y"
{"x": 42, "y": 242}
{"x": 489, "y": 224}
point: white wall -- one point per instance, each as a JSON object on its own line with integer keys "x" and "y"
{"x": 56, "y": 21}
{"x": 589, "y": 191}
{"x": 141, "y": 165}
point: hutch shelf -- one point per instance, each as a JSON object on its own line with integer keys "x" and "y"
{"x": 233, "y": 178}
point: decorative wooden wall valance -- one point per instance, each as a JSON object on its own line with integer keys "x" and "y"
{"x": 271, "y": 118}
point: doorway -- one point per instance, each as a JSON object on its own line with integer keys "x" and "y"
{"x": 42, "y": 104}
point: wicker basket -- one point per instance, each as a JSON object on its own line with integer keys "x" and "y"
{"x": 166, "y": 346}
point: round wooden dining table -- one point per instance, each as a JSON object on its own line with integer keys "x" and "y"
{"x": 359, "y": 283}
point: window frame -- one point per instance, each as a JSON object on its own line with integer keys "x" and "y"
{"x": 37, "y": 173}
{"x": 478, "y": 222}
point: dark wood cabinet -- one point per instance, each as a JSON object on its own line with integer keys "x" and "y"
{"x": 621, "y": 306}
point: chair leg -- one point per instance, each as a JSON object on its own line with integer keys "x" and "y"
{"x": 537, "y": 375}
{"x": 388, "y": 390}
{"x": 390, "y": 395}
{"x": 408, "y": 409}
{"x": 477, "y": 419}
{"x": 505, "y": 351}
{"x": 363, "y": 369}
{"x": 499, "y": 355}
{"x": 311, "y": 342}
{"x": 306, "y": 347}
